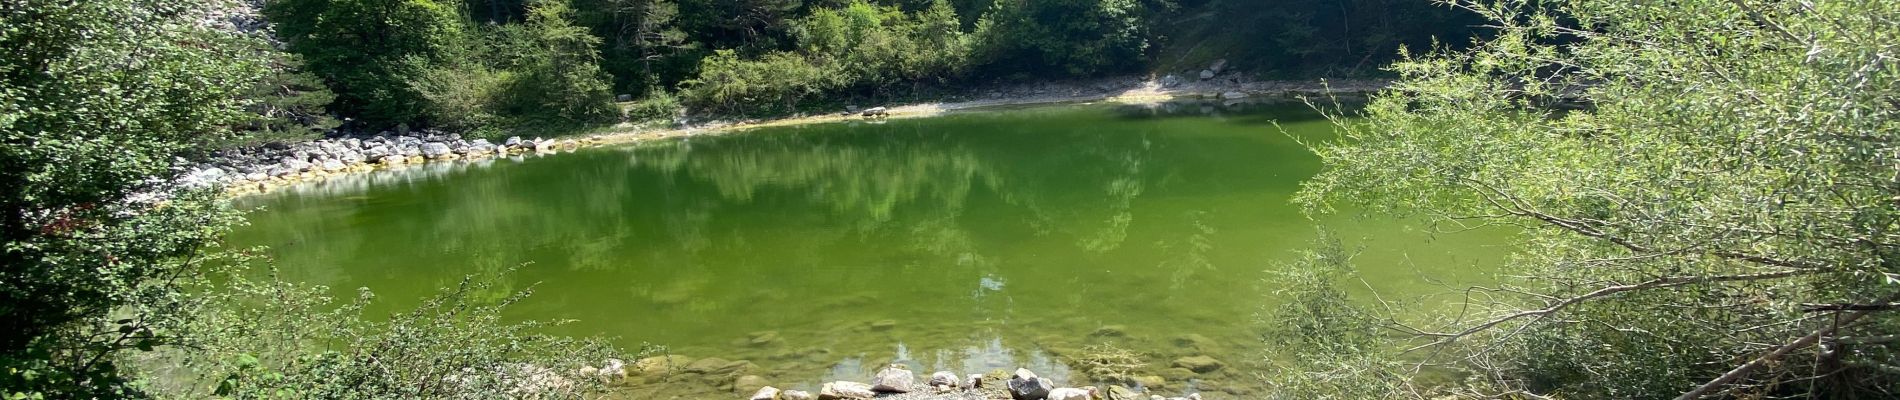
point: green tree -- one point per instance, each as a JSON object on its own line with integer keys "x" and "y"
{"x": 1075, "y": 37}
{"x": 641, "y": 37}
{"x": 562, "y": 81}
{"x": 97, "y": 99}
{"x": 1707, "y": 192}
{"x": 364, "y": 48}
{"x": 291, "y": 104}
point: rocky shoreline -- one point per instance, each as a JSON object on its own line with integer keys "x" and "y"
{"x": 265, "y": 168}
{"x": 892, "y": 382}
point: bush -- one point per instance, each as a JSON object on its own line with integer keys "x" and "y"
{"x": 658, "y": 105}
{"x": 453, "y": 346}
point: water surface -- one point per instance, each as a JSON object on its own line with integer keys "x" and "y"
{"x": 967, "y": 242}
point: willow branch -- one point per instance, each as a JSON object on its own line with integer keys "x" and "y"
{"x": 1663, "y": 282}
{"x": 1765, "y": 359}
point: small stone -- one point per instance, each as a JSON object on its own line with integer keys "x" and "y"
{"x": 1233, "y": 95}
{"x": 845, "y": 390}
{"x": 1207, "y": 74}
{"x": 1199, "y": 364}
{"x": 1151, "y": 381}
{"x": 765, "y": 393}
{"x": 795, "y": 395}
{"x": 895, "y": 378}
{"x": 942, "y": 378}
{"x": 1119, "y": 392}
{"x": 974, "y": 381}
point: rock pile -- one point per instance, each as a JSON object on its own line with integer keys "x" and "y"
{"x": 263, "y": 167}
{"x": 897, "y": 382}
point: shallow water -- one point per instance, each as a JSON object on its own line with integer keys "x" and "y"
{"x": 968, "y": 242}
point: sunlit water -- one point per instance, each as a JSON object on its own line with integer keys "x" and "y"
{"x": 969, "y": 242}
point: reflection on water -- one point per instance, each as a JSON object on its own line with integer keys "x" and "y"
{"x": 969, "y": 242}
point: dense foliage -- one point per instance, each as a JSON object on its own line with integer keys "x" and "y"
{"x": 106, "y": 261}
{"x": 1706, "y": 189}
{"x": 96, "y": 100}
{"x": 509, "y": 64}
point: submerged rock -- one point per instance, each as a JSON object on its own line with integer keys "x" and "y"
{"x": 750, "y": 383}
{"x": 1177, "y": 374}
{"x": 1199, "y": 364}
{"x": 845, "y": 390}
{"x": 895, "y": 378}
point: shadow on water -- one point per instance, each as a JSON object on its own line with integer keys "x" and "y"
{"x": 969, "y": 242}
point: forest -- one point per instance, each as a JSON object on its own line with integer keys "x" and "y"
{"x": 503, "y": 65}
{"x": 1702, "y": 196}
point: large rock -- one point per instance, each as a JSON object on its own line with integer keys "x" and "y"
{"x": 1199, "y": 364}
{"x": 942, "y": 378}
{"x": 1082, "y": 393}
{"x": 1025, "y": 385}
{"x": 296, "y": 164}
{"x": 877, "y": 112}
{"x": 1118, "y": 392}
{"x": 895, "y": 378}
{"x": 765, "y": 393}
{"x": 436, "y": 150}
{"x": 845, "y": 390}
{"x": 1207, "y": 74}
{"x": 795, "y": 395}
{"x": 1170, "y": 81}
{"x": 1219, "y": 66}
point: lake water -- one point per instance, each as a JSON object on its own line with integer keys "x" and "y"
{"x": 968, "y": 242}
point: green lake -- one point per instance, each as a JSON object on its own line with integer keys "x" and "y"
{"x": 967, "y": 242}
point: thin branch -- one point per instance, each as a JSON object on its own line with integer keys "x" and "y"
{"x": 1607, "y": 291}
{"x": 1765, "y": 359}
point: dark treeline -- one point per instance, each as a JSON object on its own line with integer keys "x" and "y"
{"x": 512, "y": 64}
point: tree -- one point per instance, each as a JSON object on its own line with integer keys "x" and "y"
{"x": 562, "y": 81}
{"x": 1707, "y": 193}
{"x": 1077, "y": 37}
{"x": 363, "y": 48}
{"x": 638, "y": 35}
{"x": 291, "y": 104}
{"x": 97, "y": 99}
